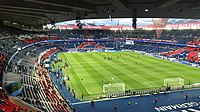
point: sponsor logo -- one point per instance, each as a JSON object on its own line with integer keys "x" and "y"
{"x": 183, "y": 107}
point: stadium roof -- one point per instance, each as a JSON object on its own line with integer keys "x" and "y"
{"x": 38, "y": 12}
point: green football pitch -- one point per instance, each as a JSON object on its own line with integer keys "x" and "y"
{"x": 88, "y": 72}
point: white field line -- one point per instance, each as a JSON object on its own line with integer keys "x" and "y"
{"x": 83, "y": 82}
{"x": 95, "y": 92}
{"x": 114, "y": 79}
{"x": 125, "y": 75}
{"x": 84, "y": 85}
{"x": 67, "y": 61}
{"x": 87, "y": 88}
{"x": 69, "y": 65}
{"x": 80, "y": 80}
{"x": 155, "y": 81}
{"x": 96, "y": 62}
{"x": 148, "y": 84}
{"x": 136, "y": 76}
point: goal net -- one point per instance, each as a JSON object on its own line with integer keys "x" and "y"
{"x": 173, "y": 82}
{"x": 114, "y": 88}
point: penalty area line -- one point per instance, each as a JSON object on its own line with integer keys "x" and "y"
{"x": 87, "y": 88}
{"x": 84, "y": 85}
{"x": 148, "y": 84}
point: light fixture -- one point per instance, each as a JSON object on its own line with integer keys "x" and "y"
{"x": 146, "y": 10}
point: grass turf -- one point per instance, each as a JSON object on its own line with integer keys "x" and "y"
{"x": 136, "y": 71}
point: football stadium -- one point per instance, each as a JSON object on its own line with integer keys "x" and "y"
{"x": 100, "y": 56}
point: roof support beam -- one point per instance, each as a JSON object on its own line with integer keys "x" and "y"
{"x": 196, "y": 5}
{"x": 121, "y": 5}
{"x": 24, "y": 15}
{"x": 22, "y": 5}
{"x": 72, "y": 4}
{"x": 19, "y": 19}
{"x": 166, "y": 3}
{"x": 28, "y": 11}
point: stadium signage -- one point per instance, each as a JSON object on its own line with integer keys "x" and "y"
{"x": 194, "y": 25}
{"x": 183, "y": 107}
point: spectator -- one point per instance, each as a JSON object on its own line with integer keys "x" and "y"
{"x": 186, "y": 96}
{"x": 115, "y": 106}
{"x": 74, "y": 95}
{"x": 14, "y": 110}
{"x": 82, "y": 95}
{"x": 155, "y": 100}
{"x": 3, "y": 110}
{"x": 92, "y": 103}
{"x": 129, "y": 103}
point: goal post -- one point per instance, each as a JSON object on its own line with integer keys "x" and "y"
{"x": 114, "y": 88}
{"x": 174, "y": 82}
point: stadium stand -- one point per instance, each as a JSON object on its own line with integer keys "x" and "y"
{"x": 37, "y": 85}
{"x": 41, "y": 88}
{"x": 29, "y": 82}
{"x": 5, "y": 104}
